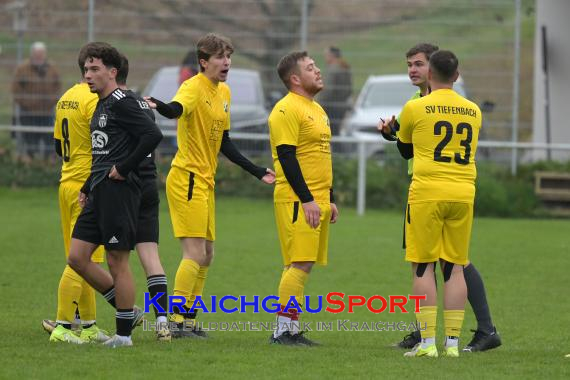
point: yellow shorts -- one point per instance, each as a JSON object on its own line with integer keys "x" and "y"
{"x": 438, "y": 230}
{"x": 192, "y": 205}
{"x": 69, "y": 210}
{"x": 299, "y": 242}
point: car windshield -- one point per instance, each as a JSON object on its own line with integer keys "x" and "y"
{"x": 388, "y": 94}
{"x": 244, "y": 90}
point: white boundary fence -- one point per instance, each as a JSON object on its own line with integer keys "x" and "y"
{"x": 364, "y": 148}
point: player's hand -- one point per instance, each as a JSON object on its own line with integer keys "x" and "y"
{"x": 114, "y": 174}
{"x": 82, "y": 199}
{"x": 269, "y": 178}
{"x": 334, "y": 213}
{"x": 312, "y": 213}
{"x": 387, "y": 126}
{"x": 149, "y": 101}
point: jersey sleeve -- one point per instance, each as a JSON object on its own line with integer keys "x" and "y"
{"x": 56, "y": 128}
{"x": 187, "y": 95}
{"x": 406, "y": 124}
{"x": 227, "y": 106}
{"x": 284, "y": 126}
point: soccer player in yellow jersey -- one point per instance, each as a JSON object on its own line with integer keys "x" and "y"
{"x": 73, "y": 143}
{"x": 299, "y": 132}
{"x": 486, "y": 336}
{"x": 202, "y": 107}
{"x": 441, "y": 132}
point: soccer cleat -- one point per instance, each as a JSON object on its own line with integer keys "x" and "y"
{"x": 49, "y": 325}
{"x": 139, "y": 316}
{"x": 303, "y": 340}
{"x": 184, "y": 330}
{"x": 61, "y": 334}
{"x": 118, "y": 341}
{"x": 94, "y": 334}
{"x": 450, "y": 352}
{"x": 409, "y": 340}
{"x": 285, "y": 339}
{"x": 163, "y": 335}
{"x": 429, "y": 352}
{"x": 482, "y": 341}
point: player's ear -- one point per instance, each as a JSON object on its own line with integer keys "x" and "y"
{"x": 295, "y": 79}
{"x": 203, "y": 63}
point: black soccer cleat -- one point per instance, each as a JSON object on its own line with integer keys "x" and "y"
{"x": 285, "y": 339}
{"x": 409, "y": 341}
{"x": 183, "y": 330}
{"x": 482, "y": 341}
{"x": 304, "y": 341}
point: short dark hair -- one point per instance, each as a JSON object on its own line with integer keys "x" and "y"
{"x": 123, "y": 72}
{"x": 103, "y": 51}
{"x": 443, "y": 65}
{"x": 288, "y": 65}
{"x": 212, "y": 44}
{"x": 335, "y": 51}
{"x": 424, "y": 47}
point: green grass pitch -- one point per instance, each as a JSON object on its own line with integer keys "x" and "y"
{"x": 524, "y": 264}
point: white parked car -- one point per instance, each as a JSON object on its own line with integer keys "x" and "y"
{"x": 381, "y": 97}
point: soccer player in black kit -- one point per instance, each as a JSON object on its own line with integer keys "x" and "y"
{"x": 122, "y": 135}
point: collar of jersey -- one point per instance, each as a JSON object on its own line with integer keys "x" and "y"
{"x": 301, "y": 97}
{"x": 208, "y": 83}
{"x": 443, "y": 91}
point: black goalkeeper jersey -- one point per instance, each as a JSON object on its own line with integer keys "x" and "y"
{"x": 122, "y": 134}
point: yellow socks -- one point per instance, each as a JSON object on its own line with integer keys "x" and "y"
{"x": 68, "y": 295}
{"x": 199, "y": 284}
{"x": 453, "y": 322}
{"x": 184, "y": 283}
{"x": 427, "y": 319}
{"x": 292, "y": 284}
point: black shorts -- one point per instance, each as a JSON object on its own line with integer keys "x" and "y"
{"x": 110, "y": 216}
{"x": 147, "y": 225}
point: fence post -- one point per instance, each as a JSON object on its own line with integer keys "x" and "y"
{"x": 361, "y": 187}
{"x": 516, "y": 78}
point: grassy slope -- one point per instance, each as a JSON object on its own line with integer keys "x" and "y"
{"x": 523, "y": 262}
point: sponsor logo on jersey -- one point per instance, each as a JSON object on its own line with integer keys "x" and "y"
{"x": 143, "y": 104}
{"x": 226, "y": 106}
{"x": 99, "y": 140}
{"x": 102, "y": 121}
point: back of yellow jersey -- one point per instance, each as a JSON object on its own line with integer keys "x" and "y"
{"x": 301, "y": 122}
{"x": 444, "y": 129}
{"x": 73, "y": 115}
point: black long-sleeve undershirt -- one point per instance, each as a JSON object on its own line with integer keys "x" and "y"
{"x": 406, "y": 150}
{"x": 292, "y": 170}
{"x": 233, "y": 154}
{"x": 57, "y": 145}
{"x": 172, "y": 110}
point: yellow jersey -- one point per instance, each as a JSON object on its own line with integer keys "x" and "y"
{"x": 444, "y": 129}
{"x": 72, "y": 117}
{"x": 302, "y": 122}
{"x": 205, "y": 117}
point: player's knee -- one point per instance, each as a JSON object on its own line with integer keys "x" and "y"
{"x": 76, "y": 262}
{"x": 305, "y": 266}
